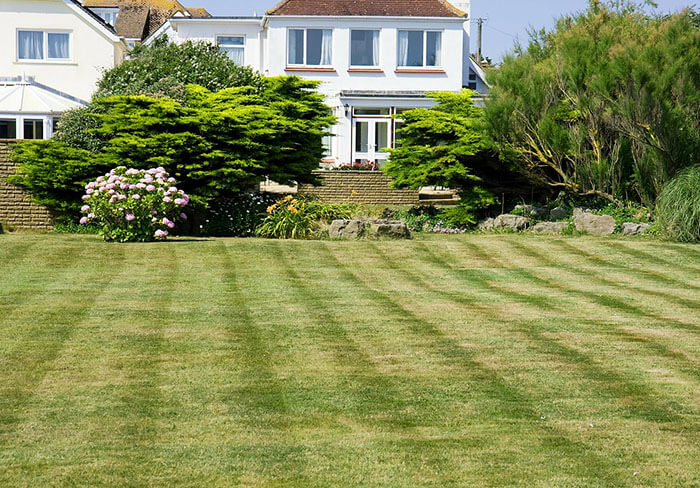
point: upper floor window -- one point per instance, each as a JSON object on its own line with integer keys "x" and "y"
{"x": 43, "y": 45}
{"x": 108, "y": 14}
{"x": 310, "y": 47}
{"x": 234, "y": 47}
{"x": 420, "y": 48}
{"x": 364, "y": 48}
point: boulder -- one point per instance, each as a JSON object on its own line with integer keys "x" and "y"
{"x": 578, "y": 211}
{"x": 346, "y": 229}
{"x": 510, "y": 221}
{"x": 632, "y": 229}
{"x": 530, "y": 211}
{"x": 550, "y": 227}
{"x": 559, "y": 213}
{"x": 486, "y": 225}
{"x": 394, "y": 229}
{"x": 602, "y": 225}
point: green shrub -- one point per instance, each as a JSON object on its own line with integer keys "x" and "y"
{"x": 236, "y": 216}
{"x": 626, "y": 212}
{"x": 678, "y": 207}
{"x": 420, "y": 218}
{"x": 298, "y": 218}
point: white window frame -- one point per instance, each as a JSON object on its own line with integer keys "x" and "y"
{"x": 47, "y": 121}
{"x": 235, "y": 46}
{"x": 101, "y": 12}
{"x": 379, "y": 54}
{"x": 425, "y": 32}
{"x": 306, "y": 43}
{"x": 45, "y": 39}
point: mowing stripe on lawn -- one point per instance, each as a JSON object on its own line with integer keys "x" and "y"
{"x": 512, "y": 402}
{"x": 616, "y": 384}
{"x": 647, "y": 258}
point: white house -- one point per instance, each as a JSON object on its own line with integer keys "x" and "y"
{"x": 54, "y": 54}
{"x": 374, "y": 59}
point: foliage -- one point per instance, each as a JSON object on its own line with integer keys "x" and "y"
{"x": 678, "y": 209}
{"x": 440, "y": 146}
{"x": 216, "y": 144}
{"x": 55, "y": 174}
{"x": 357, "y": 166}
{"x": 297, "y": 218}
{"x": 236, "y": 216}
{"x": 419, "y": 218}
{"x": 606, "y": 104}
{"x": 75, "y": 129}
{"x": 626, "y": 212}
{"x": 134, "y": 205}
{"x": 163, "y": 69}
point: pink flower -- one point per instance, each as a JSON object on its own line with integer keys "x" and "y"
{"x": 136, "y": 196}
{"x": 85, "y": 208}
{"x": 86, "y": 197}
{"x": 83, "y": 221}
{"x": 183, "y": 216}
{"x": 91, "y": 216}
{"x": 90, "y": 191}
{"x": 171, "y": 224}
{"x": 167, "y": 199}
{"x": 153, "y": 212}
{"x": 129, "y": 217}
{"x": 160, "y": 234}
{"x": 179, "y": 201}
{"x": 150, "y": 188}
{"x": 165, "y": 220}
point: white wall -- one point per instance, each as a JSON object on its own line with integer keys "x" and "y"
{"x": 453, "y": 41}
{"x": 208, "y": 29}
{"x": 92, "y": 50}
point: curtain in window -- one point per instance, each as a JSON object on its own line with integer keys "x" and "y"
{"x": 327, "y": 47}
{"x": 295, "y": 53}
{"x": 403, "y": 48}
{"x": 31, "y": 45}
{"x": 58, "y": 46}
{"x": 237, "y": 55}
{"x": 375, "y": 48}
{"x": 434, "y": 47}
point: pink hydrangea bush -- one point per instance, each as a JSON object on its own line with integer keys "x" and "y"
{"x": 134, "y": 204}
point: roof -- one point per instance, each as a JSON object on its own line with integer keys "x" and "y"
{"x": 138, "y": 19}
{"x": 92, "y": 16}
{"x": 24, "y": 95}
{"x": 371, "y": 8}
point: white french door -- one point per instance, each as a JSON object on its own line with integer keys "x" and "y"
{"x": 371, "y": 138}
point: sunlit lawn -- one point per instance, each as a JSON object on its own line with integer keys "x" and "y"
{"x": 444, "y": 361}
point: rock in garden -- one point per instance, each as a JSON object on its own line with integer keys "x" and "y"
{"x": 559, "y": 213}
{"x": 531, "y": 211}
{"x": 550, "y": 227}
{"x": 578, "y": 211}
{"x": 595, "y": 224}
{"x": 510, "y": 221}
{"x": 486, "y": 225}
{"x": 632, "y": 229}
{"x": 346, "y": 229}
{"x": 394, "y": 229}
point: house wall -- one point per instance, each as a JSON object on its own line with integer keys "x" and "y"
{"x": 342, "y": 79}
{"x": 16, "y": 206}
{"x": 92, "y": 50}
{"x": 365, "y": 187}
{"x": 208, "y": 29}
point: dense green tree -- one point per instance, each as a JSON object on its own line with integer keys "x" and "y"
{"x": 444, "y": 146}
{"x": 606, "y": 104}
{"x": 214, "y": 143}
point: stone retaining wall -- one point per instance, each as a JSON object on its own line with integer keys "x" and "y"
{"x": 16, "y": 206}
{"x": 365, "y": 187}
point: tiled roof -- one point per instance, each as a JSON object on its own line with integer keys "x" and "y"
{"x": 138, "y": 19}
{"x": 388, "y": 8}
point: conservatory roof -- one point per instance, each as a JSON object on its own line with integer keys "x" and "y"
{"x": 24, "y": 95}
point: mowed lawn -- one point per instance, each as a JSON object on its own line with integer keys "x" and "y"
{"x": 507, "y": 360}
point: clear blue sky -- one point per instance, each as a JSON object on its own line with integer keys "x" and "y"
{"x": 507, "y": 20}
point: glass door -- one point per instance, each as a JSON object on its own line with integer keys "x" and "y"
{"x": 371, "y": 138}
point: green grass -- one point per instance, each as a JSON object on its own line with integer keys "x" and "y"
{"x": 504, "y": 360}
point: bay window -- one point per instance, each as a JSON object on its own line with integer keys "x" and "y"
{"x": 43, "y": 45}
{"x": 310, "y": 47}
{"x": 364, "y": 48}
{"x": 234, "y": 47}
{"x": 420, "y": 48}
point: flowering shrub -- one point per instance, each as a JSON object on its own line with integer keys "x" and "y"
{"x": 365, "y": 166}
{"x": 134, "y": 205}
{"x": 292, "y": 218}
{"x": 440, "y": 228}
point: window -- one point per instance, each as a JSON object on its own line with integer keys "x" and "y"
{"x": 364, "y": 48}
{"x": 371, "y": 111}
{"x": 310, "y": 47}
{"x": 109, "y": 14}
{"x": 420, "y": 48}
{"x": 234, "y": 47}
{"x": 472, "y": 76}
{"x": 33, "y": 129}
{"x": 42, "y": 45}
{"x": 8, "y": 129}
